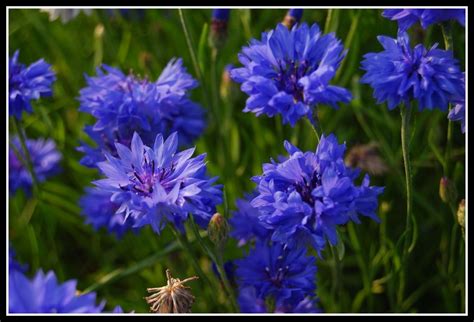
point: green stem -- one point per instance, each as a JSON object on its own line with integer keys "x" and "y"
{"x": 217, "y": 259}
{"x": 314, "y": 129}
{"x": 193, "y": 55}
{"x": 27, "y": 159}
{"x": 448, "y": 44}
{"x": 185, "y": 244}
{"x": 405, "y": 112}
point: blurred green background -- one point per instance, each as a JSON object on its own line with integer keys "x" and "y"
{"x": 48, "y": 232}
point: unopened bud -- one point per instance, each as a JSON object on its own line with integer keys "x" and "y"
{"x": 447, "y": 190}
{"x": 218, "y": 229}
{"x": 218, "y": 33}
{"x": 461, "y": 215}
{"x": 292, "y": 17}
{"x": 99, "y": 31}
{"x": 229, "y": 90}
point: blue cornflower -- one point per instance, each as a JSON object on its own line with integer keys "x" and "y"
{"x": 292, "y": 17}
{"x": 156, "y": 185}
{"x": 45, "y": 160}
{"x": 220, "y": 14}
{"x": 304, "y": 197}
{"x": 400, "y": 74}
{"x": 407, "y": 17}
{"x": 246, "y": 224}
{"x": 458, "y": 112}
{"x": 288, "y": 72}
{"x": 27, "y": 83}
{"x": 100, "y": 211}
{"x": 123, "y": 105}
{"x": 278, "y": 273}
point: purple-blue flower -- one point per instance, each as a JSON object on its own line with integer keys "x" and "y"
{"x": 27, "y": 83}
{"x": 220, "y": 14}
{"x": 100, "y": 211}
{"x": 156, "y": 185}
{"x": 458, "y": 111}
{"x": 303, "y": 198}
{"x": 407, "y": 17}
{"x": 288, "y": 72}
{"x": 401, "y": 74}
{"x": 123, "y": 105}
{"x": 44, "y": 157}
{"x": 275, "y": 272}
{"x": 245, "y": 223}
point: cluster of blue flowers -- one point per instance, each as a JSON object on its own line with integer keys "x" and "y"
{"x": 143, "y": 132}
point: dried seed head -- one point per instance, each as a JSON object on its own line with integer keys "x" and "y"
{"x": 172, "y": 298}
{"x": 366, "y": 157}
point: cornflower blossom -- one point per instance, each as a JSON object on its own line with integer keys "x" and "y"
{"x": 303, "y": 198}
{"x": 26, "y": 83}
{"x": 124, "y": 104}
{"x": 44, "y": 158}
{"x": 100, "y": 211}
{"x": 157, "y": 185}
{"x": 401, "y": 74}
{"x": 458, "y": 111}
{"x": 288, "y": 72}
{"x": 276, "y": 273}
{"x": 426, "y": 17}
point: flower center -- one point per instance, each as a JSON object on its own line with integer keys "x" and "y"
{"x": 290, "y": 72}
{"x": 305, "y": 187}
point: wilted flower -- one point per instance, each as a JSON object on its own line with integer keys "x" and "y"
{"x": 27, "y": 83}
{"x": 66, "y": 15}
{"x": 172, "y": 298}
{"x": 44, "y": 158}
{"x": 367, "y": 158}
{"x": 304, "y": 197}
{"x": 100, "y": 211}
{"x": 288, "y": 72}
{"x": 426, "y": 17}
{"x": 157, "y": 185}
{"x": 400, "y": 74}
{"x": 123, "y": 105}
{"x": 277, "y": 273}
{"x": 292, "y": 17}
{"x": 458, "y": 111}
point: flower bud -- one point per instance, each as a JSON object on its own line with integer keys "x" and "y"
{"x": 218, "y": 33}
{"x": 229, "y": 90}
{"x": 218, "y": 229}
{"x": 461, "y": 215}
{"x": 292, "y": 17}
{"x": 447, "y": 190}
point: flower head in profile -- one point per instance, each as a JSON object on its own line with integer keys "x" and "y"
{"x": 288, "y": 72}
{"x": 44, "y": 294}
{"x": 401, "y": 74}
{"x": 44, "y": 157}
{"x": 123, "y": 105}
{"x": 303, "y": 198}
{"x": 26, "y": 83}
{"x": 407, "y": 17}
{"x": 100, "y": 211}
{"x": 458, "y": 111}
{"x": 276, "y": 273}
{"x": 156, "y": 185}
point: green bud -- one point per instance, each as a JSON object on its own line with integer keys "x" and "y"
{"x": 218, "y": 229}
{"x": 461, "y": 215}
{"x": 447, "y": 190}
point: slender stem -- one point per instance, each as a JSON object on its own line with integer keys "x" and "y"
{"x": 448, "y": 43}
{"x": 217, "y": 259}
{"x": 183, "y": 241}
{"x": 27, "y": 156}
{"x": 405, "y": 112}
{"x": 314, "y": 129}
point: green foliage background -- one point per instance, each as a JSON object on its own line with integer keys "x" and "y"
{"x": 48, "y": 232}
